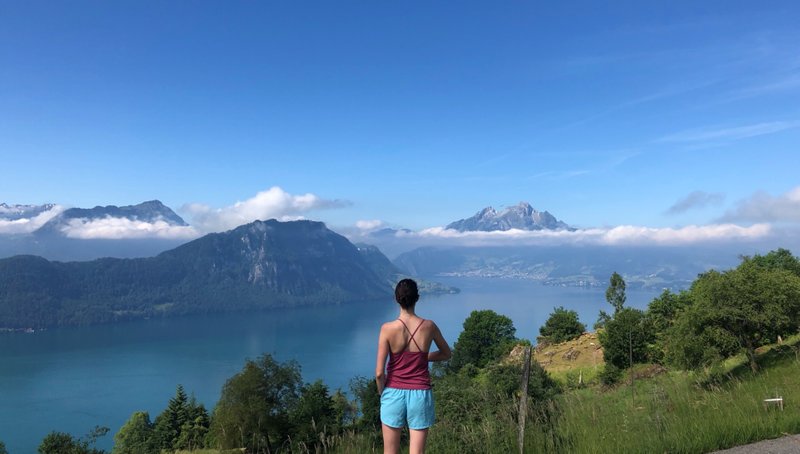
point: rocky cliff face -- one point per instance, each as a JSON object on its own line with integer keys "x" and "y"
{"x": 522, "y": 216}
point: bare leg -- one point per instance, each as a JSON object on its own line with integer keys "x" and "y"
{"x": 417, "y": 441}
{"x": 391, "y": 440}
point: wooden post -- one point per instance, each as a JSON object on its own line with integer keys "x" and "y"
{"x": 523, "y": 399}
{"x": 630, "y": 362}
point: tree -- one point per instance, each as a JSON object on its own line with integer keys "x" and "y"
{"x": 562, "y": 325}
{"x": 169, "y": 423}
{"x": 64, "y": 443}
{"x": 194, "y": 429}
{"x": 3, "y": 449}
{"x": 253, "y": 409}
{"x": 664, "y": 309}
{"x": 626, "y": 338}
{"x": 313, "y": 413}
{"x": 743, "y": 308}
{"x": 778, "y": 259}
{"x": 136, "y": 436}
{"x": 485, "y": 338}
{"x": 615, "y": 293}
{"x": 365, "y": 391}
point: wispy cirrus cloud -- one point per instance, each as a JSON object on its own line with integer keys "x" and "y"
{"x": 272, "y": 203}
{"x": 695, "y": 199}
{"x": 764, "y": 207}
{"x": 730, "y": 133}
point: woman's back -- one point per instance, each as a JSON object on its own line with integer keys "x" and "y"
{"x": 399, "y": 334}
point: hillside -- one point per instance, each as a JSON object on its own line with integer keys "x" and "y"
{"x": 255, "y": 266}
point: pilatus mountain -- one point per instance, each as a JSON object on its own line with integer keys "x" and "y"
{"x": 522, "y": 216}
{"x": 259, "y": 265}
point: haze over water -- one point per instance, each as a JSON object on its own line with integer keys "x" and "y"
{"x": 72, "y": 379}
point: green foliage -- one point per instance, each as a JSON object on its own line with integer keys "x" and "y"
{"x": 486, "y": 337}
{"x": 3, "y": 449}
{"x": 64, "y": 443}
{"x": 610, "y": 375}
{"x": 194, "y": 429}
{"x": 253, "y": 410}
{"x": 365, "y": 391}
{"x": 626, "y": 338}
{"x": 562, "y": 325}
{"x": 615, "y": 293}
{"x": 779, "y": 259}
{"x": 314, "y": 413}
{"x": 169, "y": 423}
{"x": 736, "y": 310}
{"x": 136, "y": 436}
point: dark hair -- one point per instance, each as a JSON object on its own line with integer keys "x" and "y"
{"x": 406, "y": 293}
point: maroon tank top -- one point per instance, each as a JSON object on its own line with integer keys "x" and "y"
{"x": 407, "y": 369}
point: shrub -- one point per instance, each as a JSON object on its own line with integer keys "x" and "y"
{"x": 562, "y": 325}
{"x": 610, "y": 375}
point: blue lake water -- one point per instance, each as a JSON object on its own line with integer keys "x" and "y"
{"x": 72, "y": 379}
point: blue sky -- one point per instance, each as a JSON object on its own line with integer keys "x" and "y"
{"x": 412, "y": 113}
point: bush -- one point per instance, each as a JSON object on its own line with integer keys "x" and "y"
{"x": 627, "y": 332}
{"x": 486, "y": 337}
{"x": 610, "y": 375}
{"x": 562, "y": 325}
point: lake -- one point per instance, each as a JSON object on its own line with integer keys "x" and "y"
{"x": 72, "y": 379}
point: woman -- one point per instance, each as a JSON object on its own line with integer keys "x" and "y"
{"x": 405, "y": 384}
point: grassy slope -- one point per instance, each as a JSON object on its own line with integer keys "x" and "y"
{"x": 673, "y": 413}
{"x": 560, "y": 363}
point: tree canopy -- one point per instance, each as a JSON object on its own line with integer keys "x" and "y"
{"x": 562, "y": 325}
{"x": 736, "y": 310}
{"x": 253, "y": 410}
{"x": 487, "y": 336}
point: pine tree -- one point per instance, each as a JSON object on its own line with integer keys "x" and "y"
{"x": 169, "y": 423}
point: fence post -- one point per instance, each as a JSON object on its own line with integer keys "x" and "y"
{"x": 523, "y": 399}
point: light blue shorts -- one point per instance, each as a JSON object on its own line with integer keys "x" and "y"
{"x": 412, "y": 405}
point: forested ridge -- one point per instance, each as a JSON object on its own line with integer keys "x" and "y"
{"x": 255, "y": 266}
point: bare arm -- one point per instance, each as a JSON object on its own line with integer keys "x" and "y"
{"x": 444, "y": 353}
{"x": 380, "y": 363}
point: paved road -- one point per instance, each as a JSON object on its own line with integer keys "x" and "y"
{"x": 789, "y": 444}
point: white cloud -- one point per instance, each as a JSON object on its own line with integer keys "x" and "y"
{"x": 28, "y": 225}
{"x": 763, "y": 207}
{"x": 370, "y": 224}
{"x": 123, "y": 228}
{"x": 727, "y": 134}
{"x": 618, "y": 236}
{"x": 272, "y": 203}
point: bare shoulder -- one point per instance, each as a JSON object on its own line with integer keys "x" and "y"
{"x": 432, "y": 325}
{"x": 389, "y": 326}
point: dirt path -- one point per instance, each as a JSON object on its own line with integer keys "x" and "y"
{"x": 789, "y": 444}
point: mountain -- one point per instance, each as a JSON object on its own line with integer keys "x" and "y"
{"x": 150, "y": 211}
{"x": 63, "y": 236}
{"x": 17, "y": 212}
{"x": 258, "y": 265}
{"x": 522, "y": 216}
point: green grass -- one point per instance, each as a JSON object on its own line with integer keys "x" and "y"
{"x": 674, "y": 413}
